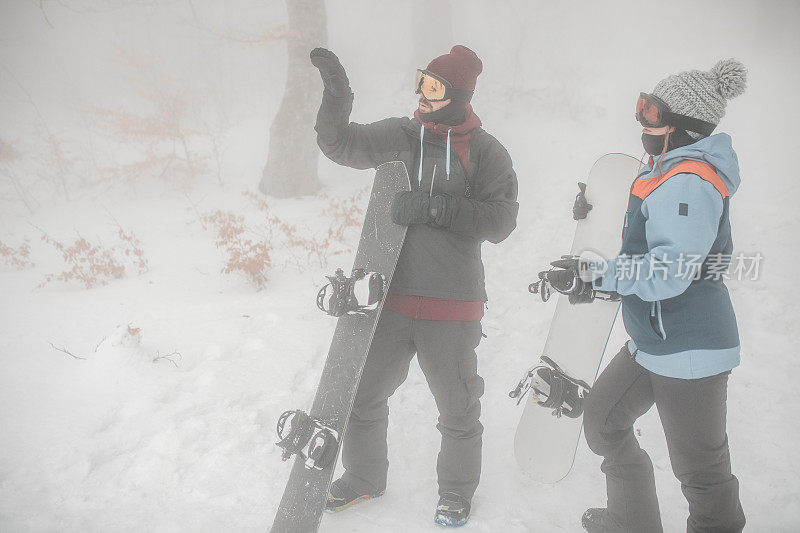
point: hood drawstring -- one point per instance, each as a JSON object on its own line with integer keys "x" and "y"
{"x": 421, "y": 136}
{"x": 421, "y": 148}
{"x": 447, "y": 163}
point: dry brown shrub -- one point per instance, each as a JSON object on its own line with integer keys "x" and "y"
{"x": 245, "y": 256}
{"x": 16, "y": 257}
{"x": 345, "y": 212}
{"x": 253, "y": 256}
{"x": 133, "y": 250}
{"x": 95, "y": 264}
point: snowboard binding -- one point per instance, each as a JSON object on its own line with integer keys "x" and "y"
{"x": 355, "y": 295}
{"x": 587, "y": 294}
{"x": 307, "y": 437}
{"x": 553, "y": 389}
{"x": 542, "y": 288}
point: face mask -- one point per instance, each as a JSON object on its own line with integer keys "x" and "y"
{"x": 452, "y": 114}
{"x": 654, "y": 144}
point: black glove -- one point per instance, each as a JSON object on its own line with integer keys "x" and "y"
{"x": 565, "y": 278}
{"x": 411, "y": 207}
{"x": 332, "y": 72}
{"x": 442, "y": 210}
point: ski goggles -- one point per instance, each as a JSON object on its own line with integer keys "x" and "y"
{"x": 652, "y": 112}
{"x": 437, "y": 89}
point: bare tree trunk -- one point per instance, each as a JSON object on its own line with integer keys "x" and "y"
{"x": 431, "y": 30}
{"x": 291, "y": 168}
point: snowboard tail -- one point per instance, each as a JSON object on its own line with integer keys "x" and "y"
{"x": 303, "y": 501}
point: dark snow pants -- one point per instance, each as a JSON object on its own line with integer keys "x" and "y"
{"x": 693, "y": 414}
{"x": 446, "y": 354}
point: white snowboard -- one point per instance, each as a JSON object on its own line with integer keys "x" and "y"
{"x": 544, "y": 444}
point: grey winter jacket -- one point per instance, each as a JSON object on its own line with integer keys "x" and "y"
{"x": 439, "y": 262}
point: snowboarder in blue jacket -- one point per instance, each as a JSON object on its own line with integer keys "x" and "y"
{"x": 684, "y": 338}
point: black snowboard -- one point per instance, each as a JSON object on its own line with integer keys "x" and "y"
{"x": 303, "y": 499}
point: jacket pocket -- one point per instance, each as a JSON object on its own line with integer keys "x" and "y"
{"x": 656, "y": 320}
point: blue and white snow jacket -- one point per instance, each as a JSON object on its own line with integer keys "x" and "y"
{"x": 676, "y": 240}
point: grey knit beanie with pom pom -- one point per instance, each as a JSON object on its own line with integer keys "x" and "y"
{"x": 702, "y": 94}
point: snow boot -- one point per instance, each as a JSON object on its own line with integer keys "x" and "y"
{"x": 597, "y": 520}
{"x": 341, "y": 496}
{"x": 452, "y": 511}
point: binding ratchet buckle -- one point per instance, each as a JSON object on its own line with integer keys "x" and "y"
{"x": 358, "y": 294}
{"x": 553, "y": 389}
{"x": 314, "y": 441}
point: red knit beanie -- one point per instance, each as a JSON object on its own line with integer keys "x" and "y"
{"x": 460, "y": 67}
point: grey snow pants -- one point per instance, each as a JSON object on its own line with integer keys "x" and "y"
{"x": 446, "y": 354}
{"x": 693, "y": 415}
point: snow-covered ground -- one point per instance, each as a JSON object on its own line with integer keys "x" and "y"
{"x": 132, "y": 438}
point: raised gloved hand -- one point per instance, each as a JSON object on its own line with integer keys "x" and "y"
{"x": 332, "y": 72}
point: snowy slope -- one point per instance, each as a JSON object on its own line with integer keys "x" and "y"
{"x": 118, "y": 442}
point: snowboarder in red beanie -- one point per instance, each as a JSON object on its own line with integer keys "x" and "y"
{"x": 446, "y": 86}
{"x": 463, "y": 192}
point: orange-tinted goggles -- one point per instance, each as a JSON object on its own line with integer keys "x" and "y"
{"x": 650, "y": 111}
{"x": 431, "y": 87}
{"x": 436, "y": 89}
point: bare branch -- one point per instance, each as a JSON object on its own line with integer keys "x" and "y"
{"x": 99, "y": 343}
{"x": 215, "y": 145}
{"x": 168, "y": 357}
{"x": 54, "y": 144}
{"x": 19, "y": 189}
{"x": 63, "y": 349}
{"x": 44, "y": 14}
{"x": 275, "y": 33}
{"x": 107, "y": 6}
{"x": 196, "y": 211}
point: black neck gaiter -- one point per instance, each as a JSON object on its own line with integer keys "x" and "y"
{"x": 452, "y": 114}
{"x": 654, "y": 144}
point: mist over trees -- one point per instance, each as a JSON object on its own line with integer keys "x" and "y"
{"x": 431, "y": 31}
{"x": 157, "y": 308}
{"x": 291, "y": 168}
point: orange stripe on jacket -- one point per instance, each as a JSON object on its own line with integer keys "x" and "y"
{"x": 644, "y": 186}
